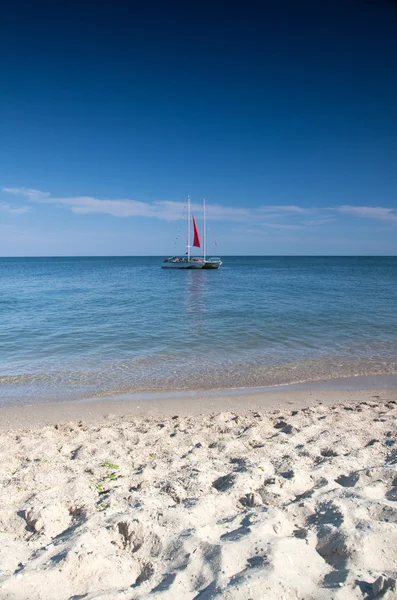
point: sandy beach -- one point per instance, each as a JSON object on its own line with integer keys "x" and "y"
{"x": 158, "y": 501}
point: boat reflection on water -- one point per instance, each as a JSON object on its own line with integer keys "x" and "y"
{"x": 196, "y": 305}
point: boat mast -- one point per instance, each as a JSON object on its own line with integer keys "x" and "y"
{"x": 205, "y": 235}
{"x": 188, "y": 227}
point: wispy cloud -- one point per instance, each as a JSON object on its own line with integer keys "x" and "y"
{"x": 319, "y": 221}
{"x": 162, "y": 209}
{"x": 284, "y": 209}
{"x": 34, "y": 195}
{"x": 370, "y": 212}
{"x": 284, "y": 216}
{"x": 286, "y": 226}
{"x": 14, "y": 210}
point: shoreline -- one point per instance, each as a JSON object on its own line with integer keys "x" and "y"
{"x": 290, "y": 396}
{"x": 310, "y": 374}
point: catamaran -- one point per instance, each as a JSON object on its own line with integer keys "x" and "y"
{"x": 188, "y": 261}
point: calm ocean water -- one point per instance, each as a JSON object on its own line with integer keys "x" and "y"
{"x": 73, "y": 328}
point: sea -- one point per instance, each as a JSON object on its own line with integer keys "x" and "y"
{"x": 80, "y": 328}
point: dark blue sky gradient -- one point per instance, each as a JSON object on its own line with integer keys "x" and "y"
{"x": 266, "y": 103}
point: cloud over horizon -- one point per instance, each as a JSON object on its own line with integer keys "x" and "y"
{"x": 371, "y": 212}
{"x": 166, "y": 210}
{"x": 162, "y": 209}
{"x": 14, "y": 210}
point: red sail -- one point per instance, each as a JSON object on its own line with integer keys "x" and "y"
{"x": 196, "y": 241}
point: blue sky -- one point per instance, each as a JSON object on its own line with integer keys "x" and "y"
{"x": 281, "y": 114}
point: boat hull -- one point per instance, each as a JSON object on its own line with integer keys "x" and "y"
{"x": 182, "y": 265}
{"x": 211, "y": 265}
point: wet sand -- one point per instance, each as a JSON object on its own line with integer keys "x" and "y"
{"x": 200, "y": 402}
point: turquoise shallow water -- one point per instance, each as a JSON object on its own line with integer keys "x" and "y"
{"x": 73, "y": 328}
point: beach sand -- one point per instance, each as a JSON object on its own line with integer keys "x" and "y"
{"x": 173, "y": 501}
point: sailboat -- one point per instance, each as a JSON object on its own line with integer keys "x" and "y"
{"x": 187, "y": 261}
{"x": 214, "y": 262}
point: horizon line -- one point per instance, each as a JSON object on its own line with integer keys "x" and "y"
{"x": 223, "y": 255}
